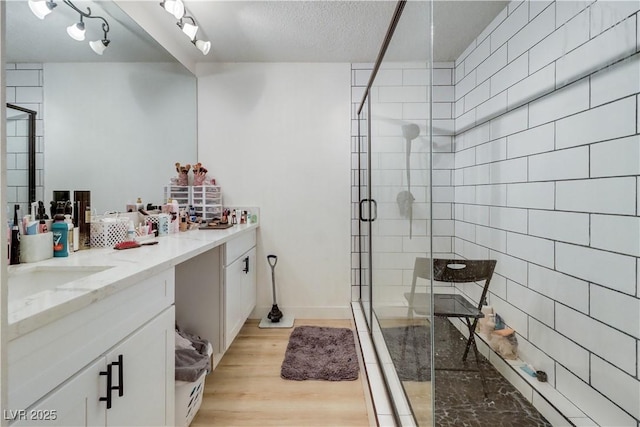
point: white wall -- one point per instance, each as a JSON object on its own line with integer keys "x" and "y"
{"x": 117, "y": 129}
{"x": 546, "y": 182}
{"x": 277, "y": 136}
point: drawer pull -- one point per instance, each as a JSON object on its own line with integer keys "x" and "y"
{"x": 120, "y": 365}
{"x": 110, "y": 386}
{"x": 108, "y": 373}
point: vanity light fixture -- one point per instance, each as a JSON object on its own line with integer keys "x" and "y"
{"x": 189, "y": 29}
{"x": 203, "y": 46}
{"x": 76, "y": 31}
{"x": 41, "y": 8}
{"x": 178, "y": 10}
{"x": 174, "y": 7}
{"x": 99, "y": 46}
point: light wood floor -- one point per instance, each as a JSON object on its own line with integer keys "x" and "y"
{"x": 245, "y": 389}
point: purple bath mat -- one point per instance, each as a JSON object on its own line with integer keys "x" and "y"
{"x": 320, "y": 353}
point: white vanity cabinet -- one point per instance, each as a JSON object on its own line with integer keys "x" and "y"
{"x": 59, "y": 374}
{"x": 239, "y": 284}
{"x": 147, "y": 358}
{"x": 75, "y": 403}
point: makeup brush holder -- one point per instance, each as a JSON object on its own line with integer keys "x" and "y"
{"x": 108, "y": 231}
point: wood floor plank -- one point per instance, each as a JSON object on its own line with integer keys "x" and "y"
{"x": 246, "y": 389}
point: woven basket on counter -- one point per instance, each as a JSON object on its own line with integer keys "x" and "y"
{"x": 108, "y": 230}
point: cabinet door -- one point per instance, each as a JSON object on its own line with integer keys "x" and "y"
{"x": 233, "y": 300}
{"x": 74, "y": 403}
{"x": 147, "y": 375}
{"x": 249, "y": 284}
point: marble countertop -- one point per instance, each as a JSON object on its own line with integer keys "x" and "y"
{"x": 125, "y": 268}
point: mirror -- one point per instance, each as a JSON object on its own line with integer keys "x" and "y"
{"x": 113, "y": 124}
{"x": 20, "y": 156}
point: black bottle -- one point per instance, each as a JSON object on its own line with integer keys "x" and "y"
{"x": 15, "y": 238}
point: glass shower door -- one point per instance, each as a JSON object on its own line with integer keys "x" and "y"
{"x": 395, "y": 212}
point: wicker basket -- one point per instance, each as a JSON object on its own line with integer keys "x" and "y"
{"x": 107, "y": 231}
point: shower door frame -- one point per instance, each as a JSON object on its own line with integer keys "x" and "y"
{"x": 367, "y": 205}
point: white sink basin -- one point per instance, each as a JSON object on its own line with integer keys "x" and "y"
{"x": 29, "y": 281}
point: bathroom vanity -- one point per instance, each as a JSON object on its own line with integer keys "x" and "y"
{"x": 91, "y": 336}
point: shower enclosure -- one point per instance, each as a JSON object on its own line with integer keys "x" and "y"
{"x": 524, "y": 149}
{"x": 395, "y": 134}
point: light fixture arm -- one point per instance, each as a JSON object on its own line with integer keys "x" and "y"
{"x": 87, "y": 14}
{"x": 179, "y": 23}
{"x": 190, "y": 30}
{"x": 105, "y": 28}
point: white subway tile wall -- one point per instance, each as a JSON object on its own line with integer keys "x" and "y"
{"x": 24, "y": 86}
{"x": 400, "y": 96}
{"x": 537, "y": 159}
{"x": 563, "y": 218}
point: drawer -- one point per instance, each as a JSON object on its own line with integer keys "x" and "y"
{"x": 236, "y": 247}
{"x": 41, "y": 360}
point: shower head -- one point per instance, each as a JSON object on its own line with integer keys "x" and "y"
{"x": 410, "y": 131}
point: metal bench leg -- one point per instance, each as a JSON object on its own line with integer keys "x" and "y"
{"x": 471, "y": 342}
{"x": 471, "y": 339}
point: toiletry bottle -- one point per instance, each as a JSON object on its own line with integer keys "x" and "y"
{"x": 60, "y": 231}
{"x": 9, "y": 243}
{"x": 70, "y": 241}
{"x": 85, "y": 229}
{"x": 131, "y": 233}
{"x": 15, "y": 238}
{"x": 34, "y": 210}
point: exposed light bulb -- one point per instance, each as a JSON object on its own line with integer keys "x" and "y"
{"x": 76, "y": 31}
{"x": 203, "y": 46}
{"x": 99, "y": 46}
{"x": 41, "y": 8}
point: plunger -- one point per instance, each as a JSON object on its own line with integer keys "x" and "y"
{"x": 275, "y": 314}
{"x": 275, "y": 318}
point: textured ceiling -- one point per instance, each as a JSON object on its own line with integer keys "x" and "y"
{"x": 336, "y": 31}
{"x": 260, "y": 31}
